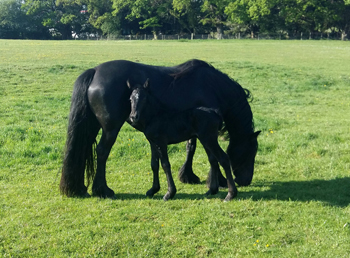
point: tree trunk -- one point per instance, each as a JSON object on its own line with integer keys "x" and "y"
{"x": 66, "y": 32}
{"x": 343, "y": 35}
{"x": 154, "y": 35}
{"x": 219, "y": 31}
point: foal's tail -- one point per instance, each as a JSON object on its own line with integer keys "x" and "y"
{"x": 81, "y": 140}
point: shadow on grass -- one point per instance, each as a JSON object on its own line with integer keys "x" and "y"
{"x": 335, "y": 192}
{"x": 159, "y": 196}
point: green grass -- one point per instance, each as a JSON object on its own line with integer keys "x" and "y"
{"x": 296, "y": 206}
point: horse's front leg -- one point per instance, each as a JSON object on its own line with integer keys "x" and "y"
{"x": 155, "y": 169}
{"x": 213, "y": 179}
{"x": 164, "y": 159}
{"x": 186, "y": 174}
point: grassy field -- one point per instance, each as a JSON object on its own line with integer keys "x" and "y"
{"x": 296, "y": 206}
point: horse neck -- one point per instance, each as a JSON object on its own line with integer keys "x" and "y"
{"x": 154, "y": 109}
{"x": 242, "y": 125}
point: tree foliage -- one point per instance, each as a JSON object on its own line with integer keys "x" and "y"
{"x": 64, "y": 18}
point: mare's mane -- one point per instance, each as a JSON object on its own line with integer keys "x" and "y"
{"x": 189, "y": 67}
{"x": 214, "y": 77}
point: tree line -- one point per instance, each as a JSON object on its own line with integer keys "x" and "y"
{"x": 66, "y": 19}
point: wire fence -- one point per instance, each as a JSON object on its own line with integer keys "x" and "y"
{"x": 256, "y": 36}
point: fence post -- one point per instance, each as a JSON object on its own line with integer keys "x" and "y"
{"x": 301, "y": 36}
{"x": 191, "y": 36}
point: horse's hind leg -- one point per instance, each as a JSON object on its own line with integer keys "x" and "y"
{"x": 99, "y": 187}
{"x": 186, "y": 174}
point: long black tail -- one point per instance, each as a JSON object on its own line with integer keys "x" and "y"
{"x": 81, "y": 140}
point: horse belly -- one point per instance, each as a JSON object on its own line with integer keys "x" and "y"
{"x": 170, "y": 133}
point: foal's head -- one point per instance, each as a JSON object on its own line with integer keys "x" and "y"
{"x": 138, "y": 100}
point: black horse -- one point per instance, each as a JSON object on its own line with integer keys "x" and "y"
{"x": 163, "y": 127}
{"x": 101, "y": 100}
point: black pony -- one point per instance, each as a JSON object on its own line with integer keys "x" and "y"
{"x": 163, "y": 127}
{"x": 101, "y": 100}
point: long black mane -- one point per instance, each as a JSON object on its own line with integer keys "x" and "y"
{"x": 184, "y": 69}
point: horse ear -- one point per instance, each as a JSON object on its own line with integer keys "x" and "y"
{"x": 128, "y": 83}
{"x": 146, "y": 84}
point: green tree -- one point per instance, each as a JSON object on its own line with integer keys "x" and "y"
{"x": 188, "y": 14}
{"x": 101, "y": 18}
{"x": 11, "y": 19}
{"x": 62, "y": 17}
{"x": 342, "y": 17}
{"x": 214, "y": 14}
{"x": 251, "y": 14}
{"x": 150, "y": 14}
{"x": 207, "y": 12}
{"x": 15, "y": 24}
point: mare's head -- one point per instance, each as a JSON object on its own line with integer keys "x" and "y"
{"x": 138, "y": 100}
{"x": 242, "y": 157}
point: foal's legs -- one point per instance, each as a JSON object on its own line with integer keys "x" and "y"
{"x": 164, "y": 159}
{"x": 221, "y": 179}
{"x": 213, "y": 180}
{"x": 212, "y": 144}
{"x": 155, "y": 169}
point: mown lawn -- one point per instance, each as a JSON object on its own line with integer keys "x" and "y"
{"x": 296, "y": 206}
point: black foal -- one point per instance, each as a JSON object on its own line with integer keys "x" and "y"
{"x": 163, "y": 127}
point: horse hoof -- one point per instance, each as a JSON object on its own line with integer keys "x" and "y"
{"x": 187, "y": 176}
{"x": 149, "y": 194}
{"x": 103, "y": 192}
{"x": 168, "y": 196}
{"x": 86, "y": 195}
{"x": 230, "y": 196}
{"x": 212, "y": 192}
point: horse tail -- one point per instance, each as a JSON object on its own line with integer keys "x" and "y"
{"x": 80, "y": 149}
